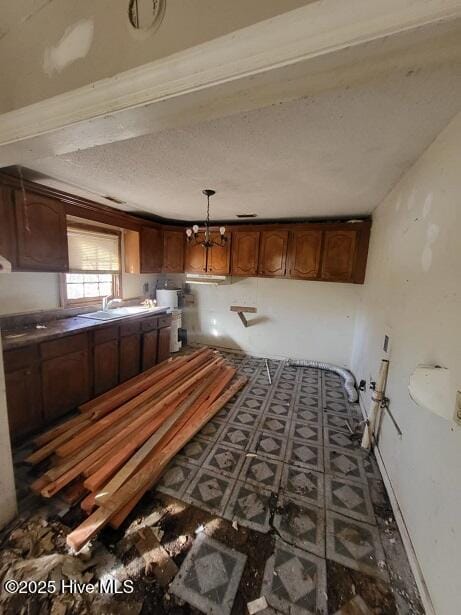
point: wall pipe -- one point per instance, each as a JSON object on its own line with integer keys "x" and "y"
{"x": 349, "y": 380}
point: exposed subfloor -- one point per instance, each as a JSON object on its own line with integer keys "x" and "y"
{"x": 272, "y": 498}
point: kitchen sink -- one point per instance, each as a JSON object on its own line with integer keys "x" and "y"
{"x": 122, "y": 312}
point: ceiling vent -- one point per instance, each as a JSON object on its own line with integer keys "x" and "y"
{"x": 246, "y": 215}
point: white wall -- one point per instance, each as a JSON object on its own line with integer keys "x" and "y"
{"x": 295, "y": 319}
{"x": 30, "y": 292}
{"x": 7, "y": 487}
{"x": 413, "y": 293}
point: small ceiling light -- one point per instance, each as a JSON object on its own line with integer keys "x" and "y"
{"x": 207, "y": 241}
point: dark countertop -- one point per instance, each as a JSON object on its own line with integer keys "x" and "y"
{"x": 25, "y": 336}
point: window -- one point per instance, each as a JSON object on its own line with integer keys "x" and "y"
{"x": 94, "y": 265}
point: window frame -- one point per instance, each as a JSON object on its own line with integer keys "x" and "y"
{"x": 116, "y": 276}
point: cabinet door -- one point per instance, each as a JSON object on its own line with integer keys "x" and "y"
{"x": 149, "y": 349}
{"x": 304, "y": 254}
{"x": 65, "y": 382}
{"x": 245, "y": 252}
{"x": 164, "y": 336}
{"x": 151, "y": 250}
{"x": 219, "y": 257}
{"x": 338, "y": 255}
{"x": 105, "y": 366}
{"x": 41, "y": 233}
{"x": 130, "y": 356}
{"x": 273, "y": 253}
{"x": 173, "y": 251}
{"x": 24, "y": 401}
{"x": 196, "y": 257}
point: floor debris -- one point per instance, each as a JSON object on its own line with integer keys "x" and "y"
{"x": 256, "y": 606}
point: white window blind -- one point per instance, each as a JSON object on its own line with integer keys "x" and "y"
{"x": 91, "y": 251}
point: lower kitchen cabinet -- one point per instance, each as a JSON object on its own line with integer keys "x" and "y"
{"x": 149, "y": 349}
{"x": 105, "y": 367}
{"x": 65, "y": 383}
{"x": 130, "y": 356}
{"x": 164, "y": 336}
{"x": 24, "y": 401}
{"x": 47, "y": 380}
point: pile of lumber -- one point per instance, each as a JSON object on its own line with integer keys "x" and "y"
{"x": 117, "y": 448}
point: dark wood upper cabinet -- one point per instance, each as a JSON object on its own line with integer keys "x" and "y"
{"x": 196, "y": 257}
{"x": 218, "y": 262}
{"x": 173, "y": 251}
{"x": 151, "y": 250}
{"x": 41, "y": 233}
{"x": 245, "y": 252}
{"x": 304, "y": 254}
{"x": 273, "y": 253}
{"x": 339, "y": 255}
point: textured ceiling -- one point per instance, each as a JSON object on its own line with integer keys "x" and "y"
{"x": 335, "y": 154}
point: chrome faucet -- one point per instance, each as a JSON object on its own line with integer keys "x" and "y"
{"x": 107, "y": 302}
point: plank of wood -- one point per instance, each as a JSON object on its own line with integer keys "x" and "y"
{"x": 91, "y": 431}
{"x": 88, "y": 503}
{"x": 39, "y": 484}
{"x": 75, "y": 471}
{"x": 202, "y": 403}
{"x": 128, "y": 387}
{"x": 62, "y": 465}
{"x": 148, "y": 475}
{"x": 134, "y": 430}
{"x": 49, "y": 435}
{"x": 241, "y": 308}
{"x": 44, "y": 452}
{"x": 144, "y": 409}
{"x": 133, "y": 387}
{"x": 133, "y": 464}
{"x": 73, "y": 493}
{"x": 109, "y": 466}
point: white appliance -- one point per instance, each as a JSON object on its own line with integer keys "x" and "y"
{"x": 170, "y": 299}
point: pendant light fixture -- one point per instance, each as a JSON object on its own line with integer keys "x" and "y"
{"x": 207, "y": 241}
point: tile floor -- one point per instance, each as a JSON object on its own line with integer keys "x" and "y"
{"x": 278, "y": 459}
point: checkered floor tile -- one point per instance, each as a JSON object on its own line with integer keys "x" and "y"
{"x": 209, "y": 576}
{"x": 295, "y": 581}
{"x": 355, "y": 544}
{"x": 302, "y": 525}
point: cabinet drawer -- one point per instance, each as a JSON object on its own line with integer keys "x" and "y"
{"x": 130, "y": 327}
{"x": 65, "y": 345}
{"x": 105, "y": 335}
{"x": 164, "y": 321}
{"x": 20, "y": 358}
{"x": 147, "y": 324}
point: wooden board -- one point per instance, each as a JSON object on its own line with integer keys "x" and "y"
{"x": 149, "y": 474}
